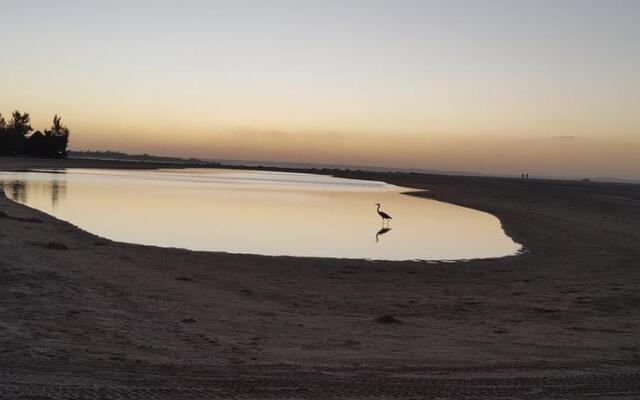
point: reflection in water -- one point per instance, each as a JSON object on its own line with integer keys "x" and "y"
{"x": 57, "y": 189}
{"x": 20, "y": 188}
{"x": 18, "y": 191}
{"x": 260, "y": 212}
{"x": 382, "y": 232}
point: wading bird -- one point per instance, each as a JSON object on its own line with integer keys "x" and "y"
{"x": 383, "y": 215}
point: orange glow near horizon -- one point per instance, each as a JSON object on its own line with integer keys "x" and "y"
{"x": 495, "y": 87}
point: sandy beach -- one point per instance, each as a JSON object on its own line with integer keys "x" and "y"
{"x": 85, "y": 317}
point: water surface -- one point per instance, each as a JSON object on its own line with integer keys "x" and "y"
{"x": 260, "y": 212}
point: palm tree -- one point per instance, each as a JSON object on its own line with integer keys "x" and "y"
{"x": 57, "y": 129}
{"x": 56, "y": 139}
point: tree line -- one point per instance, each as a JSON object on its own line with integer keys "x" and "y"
{"x": 17, "y": 137}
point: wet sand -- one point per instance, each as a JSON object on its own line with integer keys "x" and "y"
{"x": 84, "y": 317}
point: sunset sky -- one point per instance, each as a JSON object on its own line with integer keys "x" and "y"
{"x": 500, "y": 87}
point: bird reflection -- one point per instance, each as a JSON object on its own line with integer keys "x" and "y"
{"x": 382, "y": 232}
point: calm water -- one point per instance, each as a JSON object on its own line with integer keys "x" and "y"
{"x": 269, "y": 213}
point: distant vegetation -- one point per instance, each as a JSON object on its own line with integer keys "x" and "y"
{"x": 117, "y": 155}
{"x": 17, "y": 137}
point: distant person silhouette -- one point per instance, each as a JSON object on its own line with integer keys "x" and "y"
{"x": 526, "y": 176}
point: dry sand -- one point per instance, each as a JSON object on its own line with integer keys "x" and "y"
{"x": 85, "y": 317}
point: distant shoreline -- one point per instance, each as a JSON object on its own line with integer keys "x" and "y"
{"x": 22, "y": 163}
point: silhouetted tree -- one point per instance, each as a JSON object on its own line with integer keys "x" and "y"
{"x": 15, "y": 139}
{"x": 20, "y": 123}
{"x": 3, "y": 132}
{"x": 56, "y": 139}
{"x": 15, "y": 132}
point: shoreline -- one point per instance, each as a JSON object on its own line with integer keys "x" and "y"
{"x": 565, "y": 309}
{"x": 406, "y": 191}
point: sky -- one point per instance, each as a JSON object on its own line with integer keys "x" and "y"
{"x": 501, "y": 87}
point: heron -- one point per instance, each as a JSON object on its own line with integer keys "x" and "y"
{"x": 383, "y": 215}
